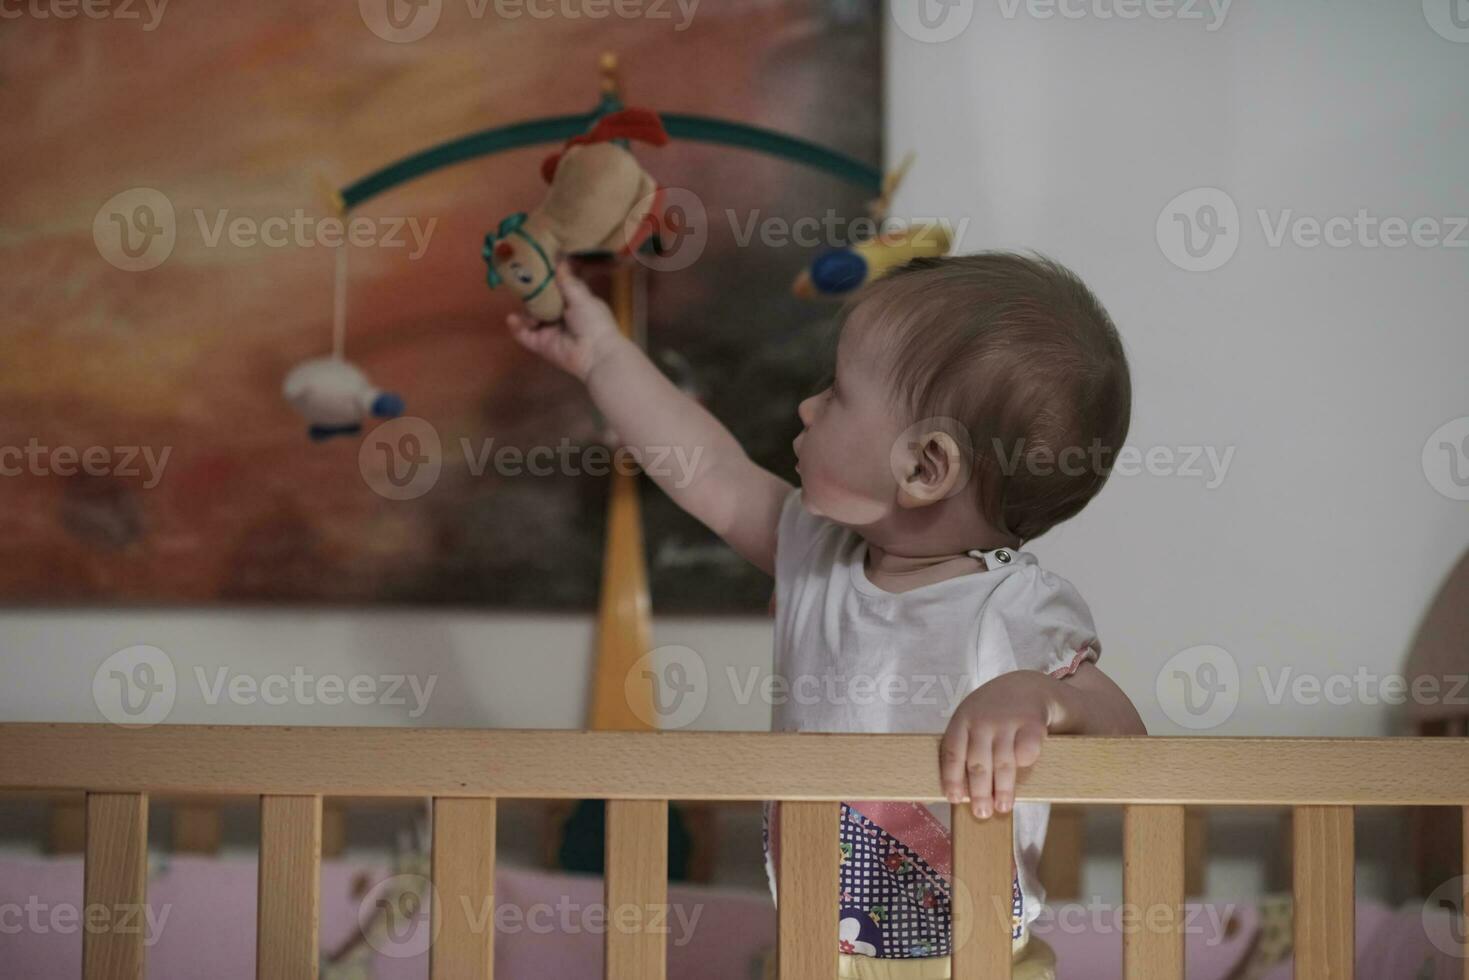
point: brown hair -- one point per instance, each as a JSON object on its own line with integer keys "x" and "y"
{"x": 1020, "y": 352}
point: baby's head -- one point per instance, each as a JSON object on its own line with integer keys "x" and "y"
{"x": 989, "y": 390}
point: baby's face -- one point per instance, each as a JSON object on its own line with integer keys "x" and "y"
{"x": 844, "y": 453}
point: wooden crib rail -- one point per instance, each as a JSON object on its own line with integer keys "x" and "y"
{"x": 465, "y": 771}
{"x": 214, "y": 760}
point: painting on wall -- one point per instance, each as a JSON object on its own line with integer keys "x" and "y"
{"x": 170, "y": 251}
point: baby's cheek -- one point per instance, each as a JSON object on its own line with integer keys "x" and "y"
{"x": 830, "y": 492}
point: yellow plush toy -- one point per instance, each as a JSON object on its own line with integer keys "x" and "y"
{"x": 600, "y": 200}
{"x": 841, "y": 271}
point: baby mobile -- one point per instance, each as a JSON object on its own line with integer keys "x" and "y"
{"x": 586, "y": 211}
{"x": 600, "y": 201}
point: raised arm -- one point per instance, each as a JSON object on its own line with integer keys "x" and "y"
{"x": 684, "y": 449}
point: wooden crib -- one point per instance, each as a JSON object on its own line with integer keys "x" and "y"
{"x": 465, "y": 771}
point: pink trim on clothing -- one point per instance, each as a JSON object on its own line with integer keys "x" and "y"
{"x": 914, "y": 826}
{"x": 1082, "y": 656}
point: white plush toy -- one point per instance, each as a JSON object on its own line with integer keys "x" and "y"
{"x": 335, "y": 396}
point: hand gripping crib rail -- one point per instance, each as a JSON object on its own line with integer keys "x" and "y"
{"x": 465, "y": 771}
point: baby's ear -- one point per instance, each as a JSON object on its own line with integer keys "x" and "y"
{"x": 930, "y": 465}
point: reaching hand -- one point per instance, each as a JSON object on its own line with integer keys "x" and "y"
{"x": 587, "y": 333}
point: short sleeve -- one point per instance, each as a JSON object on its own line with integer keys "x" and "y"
{"x": 796, "y": 534}
{"x": 1036, "y": 620}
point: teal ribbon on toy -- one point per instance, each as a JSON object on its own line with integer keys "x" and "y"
{"x": 513, "y": 225}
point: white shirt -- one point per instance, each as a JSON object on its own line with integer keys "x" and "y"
{"x": 851, "y": 657}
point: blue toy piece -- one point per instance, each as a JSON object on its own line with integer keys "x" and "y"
{"x": 839, "y": 271}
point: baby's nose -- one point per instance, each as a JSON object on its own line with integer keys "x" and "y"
{"x": 804, "y": 410}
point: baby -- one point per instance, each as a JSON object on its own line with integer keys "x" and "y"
{"x": 976, "y": 403}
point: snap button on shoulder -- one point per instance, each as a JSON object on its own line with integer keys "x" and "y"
{"x": 1002, "y": 556}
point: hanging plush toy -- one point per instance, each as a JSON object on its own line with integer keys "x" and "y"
{"x": 840, "y": 271}
{"x": 600, "y": 200}
{"x": 335, "y": 396}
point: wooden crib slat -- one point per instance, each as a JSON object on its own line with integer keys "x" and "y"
{"x": 984, "y": 876}
{"x": 637, "y": 890}
{"x": 1325, "y": 908}
{"x": 464, "y": 890}
{"x": 116, "y": 879}
{"x": 807, "y": 886}
{"x": 286, "y": 945}
{"x": 1153, "y": 881}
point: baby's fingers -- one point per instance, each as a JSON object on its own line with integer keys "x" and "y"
{"x": 1028, "y": 745}
{"x": 1005, "y": 766}
{"x": 519, "y": 322}
{"x": 1014, "y": 751}
{"x": 573, "y": 289}
{"x": 952, "y": 751}
{"x": 981, "y": 772}
{"x": 548, "y": 342}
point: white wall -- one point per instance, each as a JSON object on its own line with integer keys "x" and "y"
{"x": 476, "y": 669}
{"x": 1325, "y": 368}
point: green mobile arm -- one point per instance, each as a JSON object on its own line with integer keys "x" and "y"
{"x": 556, "y": 129}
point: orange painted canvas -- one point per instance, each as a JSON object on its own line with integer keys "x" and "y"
{"x": 168, "y": 250}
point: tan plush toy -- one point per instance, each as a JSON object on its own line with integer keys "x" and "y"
{"x": 600, "y": 200}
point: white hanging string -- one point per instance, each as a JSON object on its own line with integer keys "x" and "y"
{"x": 339, "y": 305}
